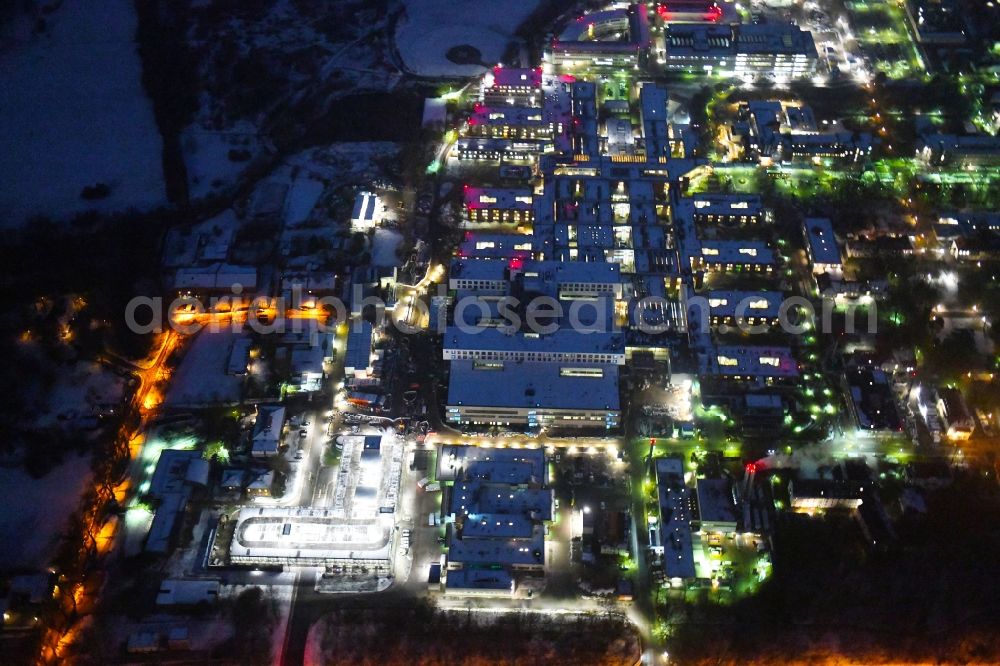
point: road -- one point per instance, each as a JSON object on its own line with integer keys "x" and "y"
{"x": 83, "y": 587}
{"x": 307, "y": 471}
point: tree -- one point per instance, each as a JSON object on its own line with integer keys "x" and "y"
{"x": 252, "y": 624}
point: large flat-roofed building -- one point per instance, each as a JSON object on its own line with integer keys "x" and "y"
{"x": 498, "y": 205}
{"x": 716, "y": 506}
{"x": 937, "y": 23}
{"x": 508, "y": 150}
{"x": 585, "y": 134}
{"x": 673, "y": 538}
{"x": 821, "y": 245}
{"x": 563, "y": 374}
{"x": 509, "y": 122}
{"x": 512, "y": 86}
{"x": 521, "y": 466}
{"x": 498, "y": 129}
{"x": 496, "y": 509}
{"x": 482, "y": 276}
{"x": 485, "y": 245}
{"x": 367, "y": 212}
{"x": 612, "y": 38}
{"x": 732, "y": 255}
{"x": 780, "y": 131}
{"x": 689, "y": 11}
{"x": 782, "y": 50}
{"x": 752, "y": 364}
{"x": 563, "y": 280}
{"x": 513, "y": 553}
{"x": 730, "y": 308}
{"x": 534, "y": 395}
{"x": 358, "y": 350}
{"x": 608, "y": 209}
{"x": 952, "y": 149}
{"x": 567, "y": 280}
{"x": 491, "y": 504}
{"x": 808, "y": 494}
{"x": 835, "y": 144}
{"x": 563, "y": 346}
{"x": 479, "y": 583}
{"x": 620, "y": 137}
{"x": 731, "y": 210}
{"x": 653, "y": 114}
{"x": 661, "y": 139}
{"x": 176, "y": 474}
{"x": 761, "y": 413}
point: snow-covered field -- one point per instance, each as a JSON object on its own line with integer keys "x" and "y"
{"x": 84, "y": 390}
{"x": 74, "y": 114}
{"x": 36, "y": 510}
{"x": 354, "y": 162}
{"x": 206, "y": 156}
{"x": 384, "y": 247}
{"x": 322, "y": 49}
{"x": 302, "y": 198}
{"x": 431, "y": 27}
{"x": 202, "y": 378}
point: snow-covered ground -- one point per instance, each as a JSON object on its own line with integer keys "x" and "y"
{"x": 202, "y": 377}
{"x": 431, "y": 27}
{"x": 321, "y": 49}
{"x": 205, "y": 242}
{"x": 81, "y": 391}
{"x": 384, "y": 247}
{"x": 353, "y": 162}
{"x": 206, "y": 156}
{"x": 74, "y": 114}
{"x": 36, "y": 510}
{"x": 302, "y": 198}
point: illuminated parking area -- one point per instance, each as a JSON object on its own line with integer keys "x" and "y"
{"x": 367, "y": 483}
{"x": 354, "y": 531}
{"x": 270, "y": 536}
